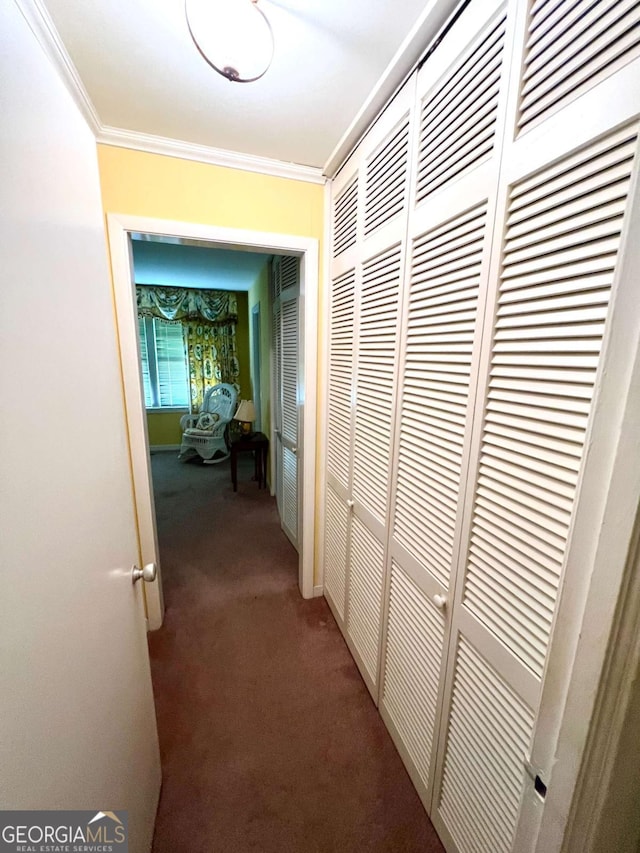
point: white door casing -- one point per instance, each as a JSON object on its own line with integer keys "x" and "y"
{"x": 78, "y": 722}
{"x": 119, "y": 228}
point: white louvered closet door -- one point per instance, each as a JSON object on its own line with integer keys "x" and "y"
{"x": 384, "y": 185}
{"x": 339, "y": 415}
{"x": 461, "y": 94}
{"x": 464, "y": 436}
{"x": 286, "y": 306}
{"x": 276, "y": 362}
{"x": 562, "y": 196}
{"x": 370, "y": 202}
{"x": 338, "y": 443}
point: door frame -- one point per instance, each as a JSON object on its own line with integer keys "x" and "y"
{"x": 119, "y": 227}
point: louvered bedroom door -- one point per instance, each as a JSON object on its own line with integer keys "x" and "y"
{"x": 370, "y": 230}
{"x": 286, "y": 308}
{"x": 566, "y": 167}
{"x": 461, "y": 95}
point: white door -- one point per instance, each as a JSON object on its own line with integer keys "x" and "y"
{"x": 364, "y": 319}
{"x": 286, "y": 309}
{"x": 78, "y": 727}
{"x": 518, "y": 210}
{"x": 456, "y": 160}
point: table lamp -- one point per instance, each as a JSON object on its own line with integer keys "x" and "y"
{"x": 246, "y": 414}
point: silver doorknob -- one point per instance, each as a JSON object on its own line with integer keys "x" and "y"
{"x": 147, "y": 574}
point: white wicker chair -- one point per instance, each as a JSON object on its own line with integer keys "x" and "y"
{"x": 204, "y": 433}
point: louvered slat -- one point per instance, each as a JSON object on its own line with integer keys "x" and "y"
{"x": 375, "y": 380}
{"x": 290, "y": 491}
{"x": 413, "y": 653}
{"x": 571, "y": 47}
{"x": 445, "y": 279}
{"x": 488, "y": 733}
{"x": 552, "y": 307}
{"x": 345, "y": 218}
{"x": 340, "y": 376}
{"x": 365, "y": 595}
{"x": 458, "y": 117}
{"x": 386, "y": 179}
{"x": 335, "y": 559}
{"x": 289, "y": 267}
{"x": 290, "y": 370}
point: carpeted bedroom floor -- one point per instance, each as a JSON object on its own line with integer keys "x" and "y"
{"x": 269, "y": 739}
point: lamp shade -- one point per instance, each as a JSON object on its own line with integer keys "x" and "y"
{"x": 234, "y": 36}
{"x": 246, "y": 412}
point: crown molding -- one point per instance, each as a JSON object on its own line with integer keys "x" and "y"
{"x": 43, "y": 28}
{"x": 206, "y": 154}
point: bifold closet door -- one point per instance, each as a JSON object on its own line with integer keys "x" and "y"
{"x": 460, "y": 104}
{"x": 275, "y": 284}
{"x": 566, "y": 170}
{"x": 286, "y": 307}
{"x": 370, "y": 211}
{"x": 340, "y": 381}
{"x": 460, "y": 503}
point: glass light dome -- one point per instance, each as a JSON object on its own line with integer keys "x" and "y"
{"x": 234, "y": 36}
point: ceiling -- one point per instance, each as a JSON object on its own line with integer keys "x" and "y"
{"x": 174, "y": 262}
{"x": 142, "y": 72}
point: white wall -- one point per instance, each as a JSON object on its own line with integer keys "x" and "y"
{"x": 74, "y": 670}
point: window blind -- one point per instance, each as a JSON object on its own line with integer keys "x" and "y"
{"x": 172, "y": 380}
{"x": 165, "y": 376}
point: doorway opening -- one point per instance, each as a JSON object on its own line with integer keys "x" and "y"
{"x": 120, "y": 229}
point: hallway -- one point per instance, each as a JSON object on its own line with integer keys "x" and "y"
{"x": 269, "y": 739}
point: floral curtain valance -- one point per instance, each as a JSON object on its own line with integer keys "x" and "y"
{"x": 183, "y": 303}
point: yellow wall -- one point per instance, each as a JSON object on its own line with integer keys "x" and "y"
{"x": 164, "y": 427}
{"x": 140, "y": 184}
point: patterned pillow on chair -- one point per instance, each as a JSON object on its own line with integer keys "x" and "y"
{"x": 207, "y": 420}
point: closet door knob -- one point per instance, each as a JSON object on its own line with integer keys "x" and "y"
{"x": 440, "y": 601}
{"x": 350, "y": 504}
{"x": 147, "y": 574}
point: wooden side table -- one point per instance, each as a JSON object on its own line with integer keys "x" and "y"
{"x": 258, "y": 444}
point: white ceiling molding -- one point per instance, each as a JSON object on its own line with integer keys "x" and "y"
{"x": 413, "y": 48}
{"x": 43, "y": 28}
{"x": 206, "y": 154}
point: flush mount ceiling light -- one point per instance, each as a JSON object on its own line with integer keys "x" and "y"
{"x": 234, "y": 36}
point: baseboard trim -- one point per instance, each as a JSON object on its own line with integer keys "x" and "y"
{"x": 161, "y": 448}
{"x": 318, "y": 591}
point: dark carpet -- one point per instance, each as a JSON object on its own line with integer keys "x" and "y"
{"x": 269, "y": 739}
